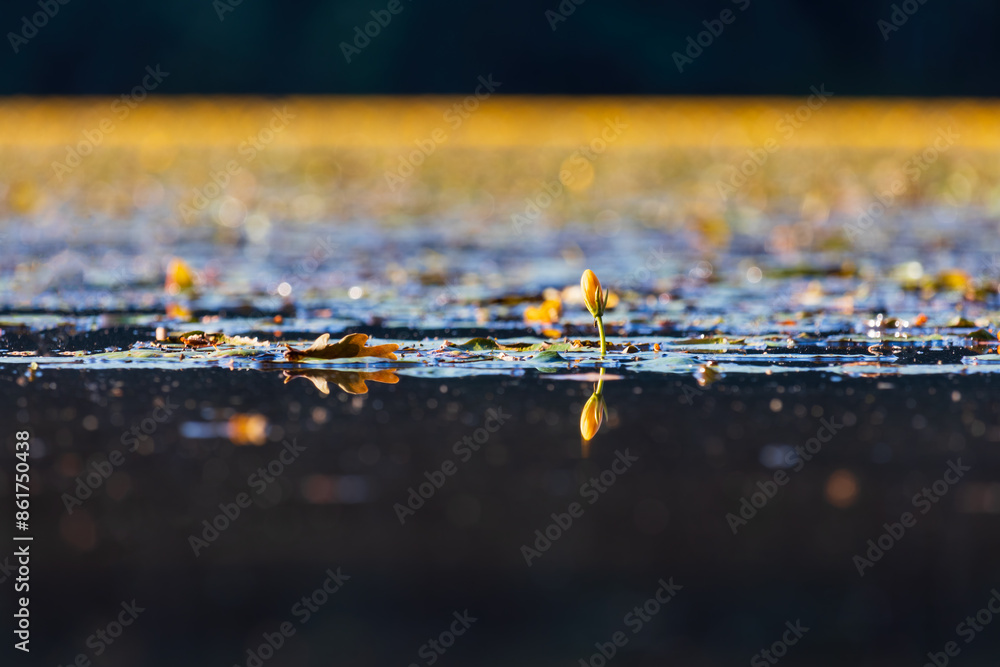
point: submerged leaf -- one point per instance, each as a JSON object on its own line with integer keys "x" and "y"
{"x": 350, "y": 346}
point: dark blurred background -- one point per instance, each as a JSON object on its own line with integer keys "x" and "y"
{"x": 602, "y": 47}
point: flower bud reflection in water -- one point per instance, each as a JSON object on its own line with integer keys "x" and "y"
{"x": 594, "y": 411}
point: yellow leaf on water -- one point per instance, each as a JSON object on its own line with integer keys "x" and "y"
{"x": 548, "y": 313}
{"x": 178, "y": 312}
{"x": 350, "y": 346}
{"x": 952, "y": 279}
{"x": 180, "y": 277}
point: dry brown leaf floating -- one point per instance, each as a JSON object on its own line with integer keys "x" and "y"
{"x": 196, "y": 340}
{"x": 351, "y": 345}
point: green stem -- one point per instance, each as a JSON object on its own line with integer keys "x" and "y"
{"x": 600, "y": 384}
{"x": 600, "y": 329}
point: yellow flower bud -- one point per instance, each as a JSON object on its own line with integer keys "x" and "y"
{"x": 593, "y": 296}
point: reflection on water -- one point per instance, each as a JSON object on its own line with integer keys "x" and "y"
{"x": 594, "y": 412}
{"x": 353, "y": 382}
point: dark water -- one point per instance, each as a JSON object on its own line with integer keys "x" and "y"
{"x": 697, "y": 450}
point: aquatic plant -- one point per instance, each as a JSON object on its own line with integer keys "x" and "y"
{"x": 596, "y": 301}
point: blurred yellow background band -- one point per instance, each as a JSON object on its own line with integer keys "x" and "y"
{"x": 498, "y": 121}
